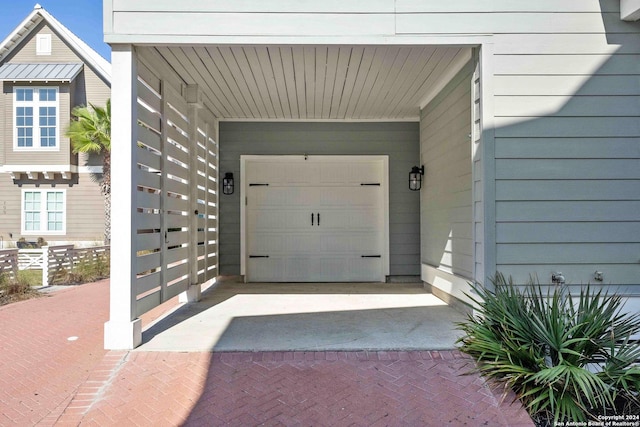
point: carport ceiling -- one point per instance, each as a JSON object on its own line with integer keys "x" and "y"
{"x": 316, "y": 82}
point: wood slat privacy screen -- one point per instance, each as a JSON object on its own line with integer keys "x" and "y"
{"x": 207, "y": 199}
{"x": 175, "y": 144}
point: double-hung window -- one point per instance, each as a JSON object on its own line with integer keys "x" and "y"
{"x": 43, "y": 211}
{"x": 36, "y": 118}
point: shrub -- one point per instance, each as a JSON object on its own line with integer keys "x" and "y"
{"x": 89, "y": 270}
{"x": 17, "y": 289}
{"x": 567, "y": 358}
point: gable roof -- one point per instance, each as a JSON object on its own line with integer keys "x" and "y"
{"x": 92, "y": 58}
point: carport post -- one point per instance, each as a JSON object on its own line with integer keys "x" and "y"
{"x": 123, "y": 331}
{"x": 193, "y": 293}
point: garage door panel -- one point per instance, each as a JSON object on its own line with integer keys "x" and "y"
{"x": 266, "y": 243}
{"x": 365, "y": 269}
{"x": 365, "y": 219}
{"x": 353, "y": 243}
{"x": 339, "y": 268}
{"x": 366, "y": 172}
{"x": 334, "y": 173}
{"x": 315, "y": 221}
{"x": 302, "y": 269}
{"x": 268, "y": 219}
{"x": 279, "y": 172}
{"x": 278, "y": 220}
{"x": 351, "y": 220}
{"x": 302, "y": 243}
{"x": 355, "y": 174}
{"x": 266, "y": 269}
{"x": 354, "y": 195}
{"x": 282, "y": 197}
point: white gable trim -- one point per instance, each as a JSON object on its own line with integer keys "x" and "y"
{"x": 92, "y": 58}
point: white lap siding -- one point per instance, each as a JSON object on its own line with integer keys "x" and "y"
{"x": 446, "y": 204}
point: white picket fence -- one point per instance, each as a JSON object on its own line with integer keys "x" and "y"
{"x": 54, "y": 261}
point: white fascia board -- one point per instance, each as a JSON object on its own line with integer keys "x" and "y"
{"x": 24, "y": 27}
{"x": 50, "y": 168}
{"x": 629, "y": 10}
{"x": 307, "y": 120}
{"x": 462, "y": 40}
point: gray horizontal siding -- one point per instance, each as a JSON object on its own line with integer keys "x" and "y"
{"x": 574, "y": 232}
{"x": 567, "y": 149}
{"x": 400, "y": 141}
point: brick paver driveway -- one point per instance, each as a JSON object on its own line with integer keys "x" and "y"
{"x": 55, "y": 372}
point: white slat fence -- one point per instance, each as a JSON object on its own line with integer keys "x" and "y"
{"x": 164, "y": 196}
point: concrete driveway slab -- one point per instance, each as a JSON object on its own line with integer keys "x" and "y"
{"x": 235, "y": 316}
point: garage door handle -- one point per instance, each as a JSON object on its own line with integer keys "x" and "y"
{"x": 312, "y": 220}
{"x": 371, "y": 183}
{"x": 318, "y": 218}
{"x": 258, "y": 256}
{"x": 371, "y": 256}
{"x": 258, "y": 185}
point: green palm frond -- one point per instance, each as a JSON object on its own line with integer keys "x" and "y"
{"x": 90, "y": 129}
{"x": 90, "y": 132}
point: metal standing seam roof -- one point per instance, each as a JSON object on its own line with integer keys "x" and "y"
{"x": 40, "y": 72}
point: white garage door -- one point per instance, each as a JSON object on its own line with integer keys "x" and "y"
{"x": 319, "y": 219}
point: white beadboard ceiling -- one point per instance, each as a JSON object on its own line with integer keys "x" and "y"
{"x": 316, "y": 82}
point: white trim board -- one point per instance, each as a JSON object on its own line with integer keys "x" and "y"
{"x": 452, "y": 284}
{"x": 50, "y": 168}
{"x": 308, "y": 120}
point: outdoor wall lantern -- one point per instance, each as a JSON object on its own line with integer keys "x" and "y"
{"x": 227, "y": 183}
{"x": 415, "y": 178}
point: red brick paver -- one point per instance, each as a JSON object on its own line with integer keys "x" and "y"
{"x": 40, "y": 368}
{"x": 48, "y": 380}
{"x": 302, "y": 389}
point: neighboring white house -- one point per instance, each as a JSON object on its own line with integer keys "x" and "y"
{"x": 525, "y": 116}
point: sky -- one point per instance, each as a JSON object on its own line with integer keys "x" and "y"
{"x": 82, "y": 17}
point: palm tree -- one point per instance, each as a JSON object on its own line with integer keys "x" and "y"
{"x": 90, "y": 132}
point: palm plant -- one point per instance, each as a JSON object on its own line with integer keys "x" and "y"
{"x": 90, "y": 132}
{"x": 567, "y": 358}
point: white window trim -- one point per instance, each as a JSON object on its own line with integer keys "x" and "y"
{"x": 43, "y": 44}
{"x": 43, "y": 212}
{"x": 36, "y": 104}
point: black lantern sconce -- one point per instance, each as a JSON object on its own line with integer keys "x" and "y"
{"x": 415, "y": 178}
{"x": 227, "y": 183}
